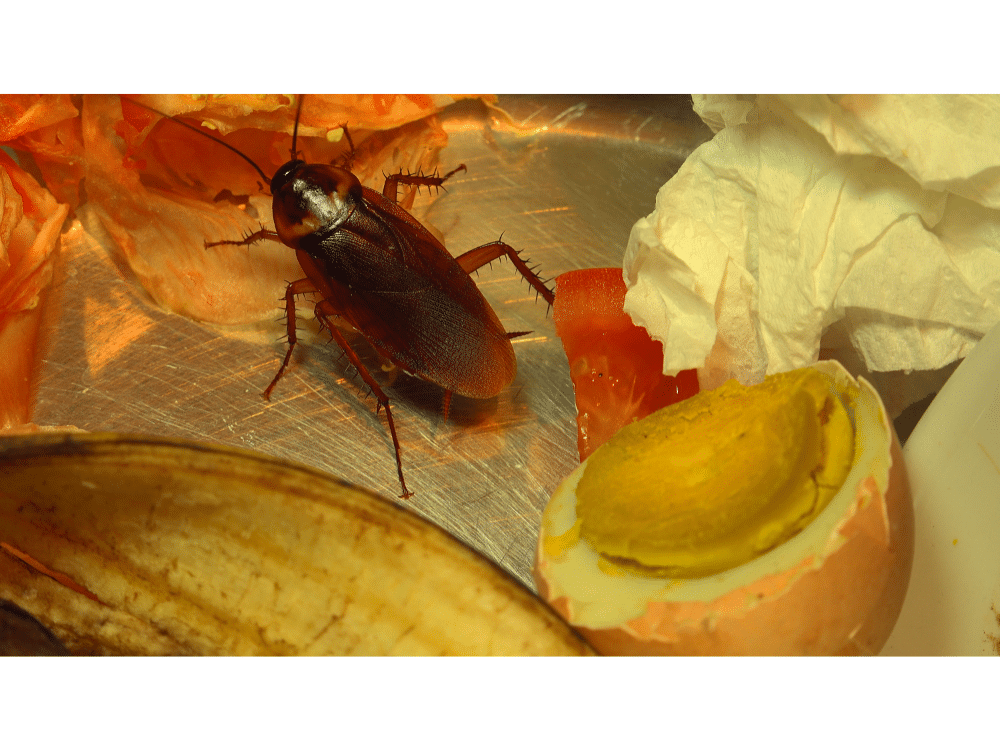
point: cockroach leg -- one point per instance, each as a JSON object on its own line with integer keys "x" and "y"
{"x": 258, "y": 236}
{"x": 480, "y": 256}
{"x": 324, "y": 310}
{"x": 302, "y": 286}
{"x": 446, "y": 405}
{"x": 348, "y": 161}
{"x": 393, "y": 181}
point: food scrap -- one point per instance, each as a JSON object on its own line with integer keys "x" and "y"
{"x": 714, "y": 481}
{"x": 195, "y": 549}
{"x": 616, "y": 368}
{"x": 30, "y": 222}
{"x": 766, "y": 520}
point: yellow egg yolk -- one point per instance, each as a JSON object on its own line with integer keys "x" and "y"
{"x": 712, "y": 482}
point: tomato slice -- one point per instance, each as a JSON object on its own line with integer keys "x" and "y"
{"x": 617, "y": 369}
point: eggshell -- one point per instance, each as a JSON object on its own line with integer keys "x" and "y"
{"x": 840, "y": 598}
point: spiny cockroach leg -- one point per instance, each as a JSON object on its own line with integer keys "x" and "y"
{"x": 392, "y": 182}
{"x": 325, "y": 310}
{"x": 446, "y": 405}
{"x": 349, "y": 158}
{"x": 480, "y": 256}
{"x": 262, "y": 234}
{"x": 302, "y": 286}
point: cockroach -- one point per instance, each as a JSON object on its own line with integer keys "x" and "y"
{"x": 380, "y": 272}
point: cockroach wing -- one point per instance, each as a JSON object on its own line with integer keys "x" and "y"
{"x": 402, "y": 290}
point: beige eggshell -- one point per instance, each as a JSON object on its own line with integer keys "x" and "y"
{"x": 847, "y": 605}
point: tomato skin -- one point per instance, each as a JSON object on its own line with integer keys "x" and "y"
{"x": 616, "y": 368}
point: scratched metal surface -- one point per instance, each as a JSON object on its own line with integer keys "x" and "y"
{"x": 564, "y": 181}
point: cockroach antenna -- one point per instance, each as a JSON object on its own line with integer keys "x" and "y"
{"x": 218, "y": 140}
{"x": 295, "y": 130}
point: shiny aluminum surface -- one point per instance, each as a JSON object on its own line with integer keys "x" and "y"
{"x": 563, "y": 180}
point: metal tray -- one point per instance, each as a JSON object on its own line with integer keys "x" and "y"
{"x": 564, "y": 180}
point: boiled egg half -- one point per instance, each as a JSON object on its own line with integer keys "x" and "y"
{"x": 762, "y": 520}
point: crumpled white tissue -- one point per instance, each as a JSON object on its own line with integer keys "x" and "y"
{"x": 871, "y": 220}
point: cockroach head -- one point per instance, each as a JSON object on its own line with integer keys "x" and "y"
{"x": 283, "y": 175}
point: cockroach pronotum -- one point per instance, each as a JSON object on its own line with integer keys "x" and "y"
{"x": 379, "y": 271}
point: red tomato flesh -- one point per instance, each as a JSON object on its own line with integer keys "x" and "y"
{"x": 617, "y": 369}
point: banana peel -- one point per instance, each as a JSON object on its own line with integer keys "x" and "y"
{"x": 150, "y": 546}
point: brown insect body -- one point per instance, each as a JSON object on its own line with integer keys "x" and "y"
{"x": 392, "y": 280}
